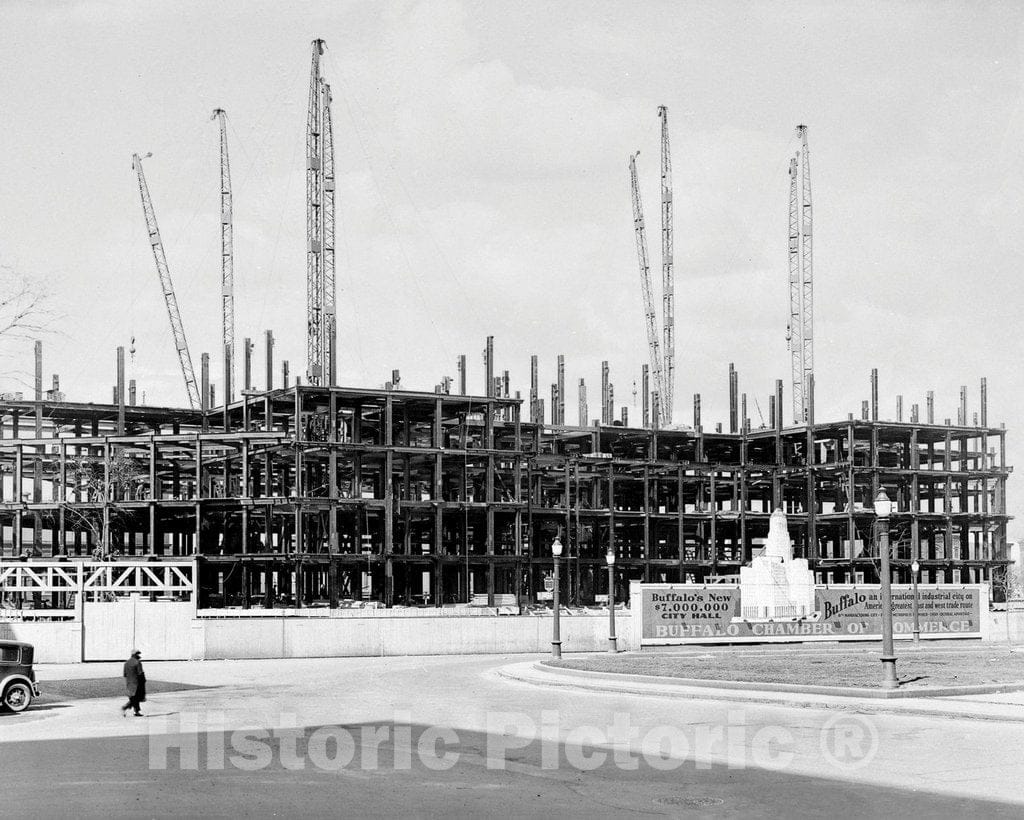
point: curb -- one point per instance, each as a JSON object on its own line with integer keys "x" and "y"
{"x": 538, "y": 674}
{"x": 792, "y": 688}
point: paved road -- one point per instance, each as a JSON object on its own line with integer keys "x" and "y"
{"x": 445, "y": 736}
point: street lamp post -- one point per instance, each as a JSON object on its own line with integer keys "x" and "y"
{"x": 915, "y": 568}
{"x": 556, "y": 638}
{"x": 609, "y": 557}
{"x": 883, "y": 509}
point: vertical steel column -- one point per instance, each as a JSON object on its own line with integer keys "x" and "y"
{"x": 812, "y": 508}
{"x": 713, "y": 502}
{"x": 120, "y": 390}
{"x": 332, "y": 495}
{"x": 489, "y": 366}
{"x": 204, "y": 390}
{"x": 604, "y": 394}
{"x": 778, "y": 501}
{"x": 680, "y": 522}
{"x": 389, "y": 502}
{"x": 105, "y": 540}
{"x": 247, "y": 372}
{"x": 645, "y": 378}
{"x": 874, "y": 394}
{"x": 915, "y": 494}
{"x": 732, "y": 398}
{"x": 561, "y": 388}
{"x": 228, "y": 389}
{"x": 437, "y": 499}
{"x": 851, "y": 481}
{"x": 270, "y": 359}
{"x": 19, "y": 466}
{"x": 37, "y": 462}
{"x": 534, "y": 394}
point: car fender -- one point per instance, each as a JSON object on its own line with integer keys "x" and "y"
{"x": 21, "y": 678}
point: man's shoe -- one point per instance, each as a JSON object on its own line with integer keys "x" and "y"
{"x": 139, "y": 714}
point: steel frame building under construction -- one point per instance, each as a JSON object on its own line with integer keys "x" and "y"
{"x": 310, "y": 495}
{"x": 316, "y": 493}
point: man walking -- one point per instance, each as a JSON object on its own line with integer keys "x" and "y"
{"x": 135, "y": 683}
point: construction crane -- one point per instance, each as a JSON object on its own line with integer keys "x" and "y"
{"x": 184, "y": 357}
{"x": 793, "y": 329}
{"x": 314, "y": 223}
{"x": 667, "y": 283}
{"x": 645, "y": 283}
{"x": 806, "y": 268}
{"x": 227, "y": 261}
{"x": 329, "y": 344}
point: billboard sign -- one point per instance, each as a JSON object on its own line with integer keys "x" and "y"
{"x": 681, "y": 613}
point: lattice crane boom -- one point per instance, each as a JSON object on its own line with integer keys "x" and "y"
{"x": 667, "y": 274}
{"x": 806, "y": 266}
{"x": 793, "y": 330}
{"x": 645, "y": 284}
{"x": 329, "y": 295}
{"x": 314, "y": 223}
{"x": 227, "y": 260}
{"x": 180, "y": 343}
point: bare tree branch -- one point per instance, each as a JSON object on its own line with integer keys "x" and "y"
{"x": 126, "y": 482}
{"x": 24, "y": 309}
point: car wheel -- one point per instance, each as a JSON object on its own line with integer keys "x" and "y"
{"x": 17, "y": 697}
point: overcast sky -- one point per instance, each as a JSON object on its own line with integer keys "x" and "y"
{"x": 483, "y": 188}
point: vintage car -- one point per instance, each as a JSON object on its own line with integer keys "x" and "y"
{"x": 17, "y": 680}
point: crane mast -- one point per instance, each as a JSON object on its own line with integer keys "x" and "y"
{"x": 328, "y": 296}
{"x": 184, "y": 357}
{"x": 645, "y": 283}
{"x": 793, "y": 330}
{"x": 806, "y": 267}
{"x": 667, "y": 276}
{"x": 227, "y": 262}
{"x": 314, "y": 223}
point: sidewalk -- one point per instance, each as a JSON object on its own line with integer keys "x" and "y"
{"x": 998, "y": 706}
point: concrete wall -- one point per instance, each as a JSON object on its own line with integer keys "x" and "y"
{"x": 54, "y": 641}
{"x": 170, "y": 631}
{"x": 234, "y": 637}
{"x": 173, "y": 633}
{"x": 1008, "y": 626}
{"x": 162, "y": 629}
